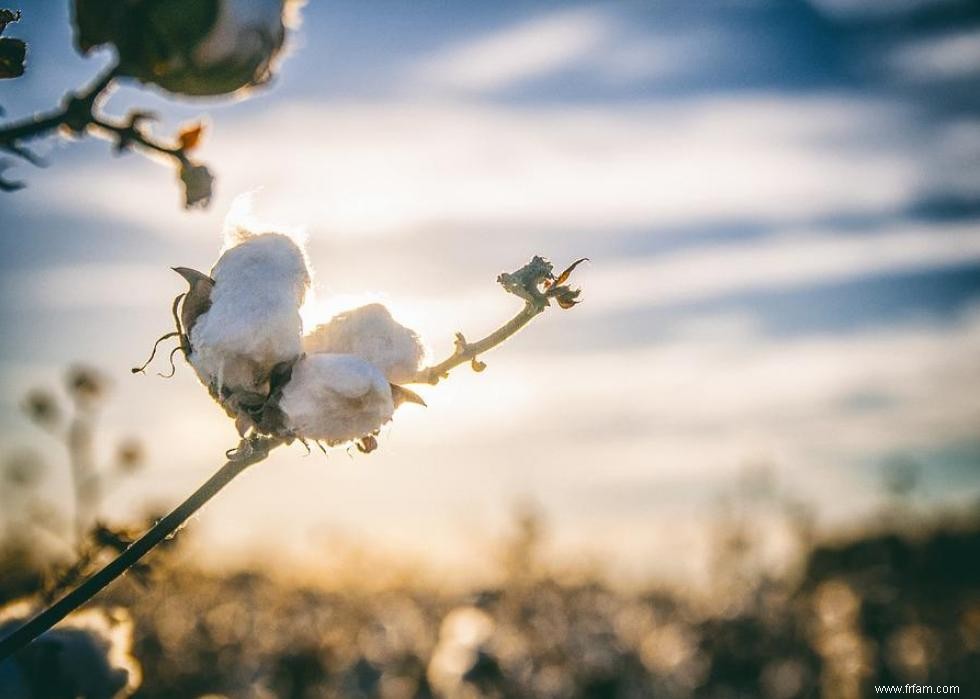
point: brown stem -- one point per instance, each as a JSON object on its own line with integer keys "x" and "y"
{"x": 250, "y": 451}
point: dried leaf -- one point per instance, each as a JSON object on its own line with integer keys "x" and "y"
{"x": 565, "y": 296}
{"x": 477, "y": 365}
{"x": 190, "y": 136}
{"x": 563, "y": 277}
{"x": 198, "y": 183}
{"x": 366, "y": 445}
{"x": 8, "y": 16}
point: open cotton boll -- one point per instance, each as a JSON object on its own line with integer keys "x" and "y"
{"x": 244, "y": 28}
{"x": 336, "y": 398}
{"x": 370, "y": 333}
{"x": 253, "y": 322}
{"x": 189, "y": 47}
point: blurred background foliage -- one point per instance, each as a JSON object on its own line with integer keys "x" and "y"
{"x": 893, "y": 602}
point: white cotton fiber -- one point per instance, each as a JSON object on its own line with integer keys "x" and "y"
{"x": 253, "y": 322}
{"x": 336, "y": 398}
{"x": 244, "y": 29}
{"x": 370, "y": 333}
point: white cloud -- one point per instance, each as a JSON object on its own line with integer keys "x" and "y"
{"x": 393, "y": 168}
{"x": 951, "y": 56}
{"x": 516, "y": 54}
{"x": 89, "y": 286}
{"x": 786, "y": 261}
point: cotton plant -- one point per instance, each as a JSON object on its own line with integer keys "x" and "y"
{"x": 187, "y": 48}
{"x": 335, "y": 384}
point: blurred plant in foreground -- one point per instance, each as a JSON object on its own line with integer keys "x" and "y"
{"x": 197, "y": 48}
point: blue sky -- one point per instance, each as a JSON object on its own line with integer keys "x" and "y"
{"x": 781, "y": 202}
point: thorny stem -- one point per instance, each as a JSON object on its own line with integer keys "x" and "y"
{"x": 250, "y": 451}
{"x": 75, "y": 107}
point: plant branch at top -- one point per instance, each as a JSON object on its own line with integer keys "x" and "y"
{"x": 79, "y": 115}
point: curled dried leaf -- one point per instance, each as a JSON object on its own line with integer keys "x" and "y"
{"x": 477, "y": 365}
{"x": 189, "y": 137}
{"x": 563, "y": 277}
{"x": 366, "y": 445}
{"x": 565, "y": 296}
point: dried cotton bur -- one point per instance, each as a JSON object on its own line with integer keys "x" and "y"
{"x": 239, "y": 327}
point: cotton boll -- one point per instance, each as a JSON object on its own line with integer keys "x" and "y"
{"x": 253, "y": 322}
{"x": 336, "y": 398}
{"x": 370, "y": 333}
{"x": 190, "y": 47}
{"x": 243, "y": 28}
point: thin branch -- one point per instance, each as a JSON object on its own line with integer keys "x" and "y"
{"x": 536, "y": 283}
{"x": 129, "y": 134}
{"x": 468, "y": 352}
{"x": 79, "y": 115}
{"x": 250, "y": 451}
{"x": 75, "y": 113}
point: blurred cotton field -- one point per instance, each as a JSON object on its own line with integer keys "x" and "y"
{"x": 751, "y": 455}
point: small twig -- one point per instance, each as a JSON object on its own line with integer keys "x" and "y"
{"x": 79, "y": 114}
{"x": 153, "y": 353}
{"x": 129, "y": 134}
{"x": 250, "y": 451}
{"x": 76, "y": 112}
{"x": 536, "y": 283}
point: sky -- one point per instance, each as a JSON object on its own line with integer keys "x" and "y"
{"x": 780, "y": 202}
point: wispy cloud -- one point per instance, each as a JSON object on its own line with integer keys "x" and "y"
{"x": 513, "y": 55}
{"x": 946, "y": 57}
{"x": 782, "y": 262}
{"x": 394, "y": 168}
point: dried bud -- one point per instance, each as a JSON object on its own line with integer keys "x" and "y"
{"x": 85, "y": 384}
{"x": 129, "y": 456}
{"x": 565, "y": 296}
{"x": 189, "y": 47}
{"x": 42, "y": 408}
{"x": 367, "y": 444}
{"x": 198, "y": 182}
{"x": 23, "y": 469}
